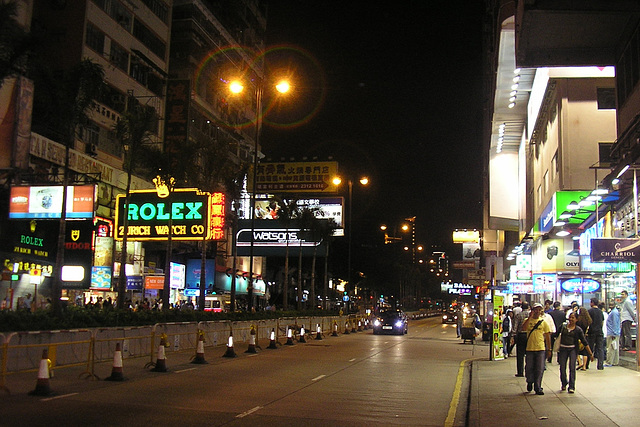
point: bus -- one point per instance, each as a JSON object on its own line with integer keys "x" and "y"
{"x": 217, "y": 303}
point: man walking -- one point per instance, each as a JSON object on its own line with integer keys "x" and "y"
{"x": 613, "y": 335}
{"x": 595, "y": 335}
{"x": 559, "y": 318}
{"x": 538, "y": 347}
{"x": 627, "y": 317}
{"x": 520, "y": 338}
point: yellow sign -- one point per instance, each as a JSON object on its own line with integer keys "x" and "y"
{"x": 466, "y": 236}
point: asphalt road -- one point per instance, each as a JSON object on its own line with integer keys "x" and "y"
{"x": 352, "y": 380}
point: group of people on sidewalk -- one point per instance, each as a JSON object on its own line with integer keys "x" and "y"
{"x": 577, "y": 336}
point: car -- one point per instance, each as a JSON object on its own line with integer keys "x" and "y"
{"x": 391, "y": 322}
{"x": 449, "y": 317}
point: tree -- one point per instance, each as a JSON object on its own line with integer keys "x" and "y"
{"x": 288, "y": 212}
{"x": 133, "y": 130}
{"x": 62, "y": 104}
{"x": 323, "y": 231}
{"x": 305, "y": 219}
{"x": 16, "y": 44}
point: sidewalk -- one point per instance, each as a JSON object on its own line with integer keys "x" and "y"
{"x": 602, "y": 398}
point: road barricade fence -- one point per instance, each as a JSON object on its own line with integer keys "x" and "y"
{"x": 21, "y": 352}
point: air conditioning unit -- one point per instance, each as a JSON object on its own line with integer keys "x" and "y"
{"x": 92, "y": 149}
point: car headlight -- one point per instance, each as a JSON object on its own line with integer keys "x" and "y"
{"x": 376, "y": 322}
{"x": 399, "y": 324}
{"x": 444, "y": 316}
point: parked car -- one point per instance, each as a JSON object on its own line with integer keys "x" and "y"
{"x": 449, "y": 317}
{"x": 391, "y": 322}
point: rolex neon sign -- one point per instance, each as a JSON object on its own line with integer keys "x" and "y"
{"x": 194, "y": 215}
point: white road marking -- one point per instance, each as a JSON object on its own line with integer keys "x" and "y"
{"x": 57, "y": 397}
{"x": 249, "y": 412}
{"x": 185, "y": 370}
{"x": 318, "y": 377}
{"x": 352, "y": 360}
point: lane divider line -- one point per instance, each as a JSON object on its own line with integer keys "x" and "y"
{"x": 185, "y": 370}
{"x": 249, "y": 412}
{"x": 57, "y": 397}
{"x": 353, "y": 360}
{"x": 318, "y": 377}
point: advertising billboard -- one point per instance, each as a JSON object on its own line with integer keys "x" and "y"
{"x": 295, "y": 177}
{"x": 40, "y": 202}
{"x": 271, "y": 238}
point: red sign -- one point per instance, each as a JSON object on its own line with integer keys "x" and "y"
{"x": 154, "y": 282}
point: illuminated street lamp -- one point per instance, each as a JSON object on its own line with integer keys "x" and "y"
{"x": 236, "y": 87}
{"x": 364, "y": 181}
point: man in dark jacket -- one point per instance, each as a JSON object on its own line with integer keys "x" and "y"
{"x": 595, "y": 335}
{"x": 558, "y": 316}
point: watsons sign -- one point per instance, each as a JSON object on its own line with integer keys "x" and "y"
{"x": 615, "y": 250}
{"x": 190, "y": 214}
{"x": 275, "y": 237}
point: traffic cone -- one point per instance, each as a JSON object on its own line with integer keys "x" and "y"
{"x": 289, "y": 337}
{"x": 230, "y": 351}
{"x": 116, "y": 370}
{"x": 302, "y": 334}
{"x": 359, "y": 325}
{"x": 318, "y": 332}
{"x": 42, "y": 385}
{"x": 161, "y": 360}
{"x": 272, "y": 340}
{"x": 335, "y": 329}
{"x": 353, "y": 327}
{"x": 252, "y": 341}
{"x": 199, "y": 359}
{"x": 346, "y": 328}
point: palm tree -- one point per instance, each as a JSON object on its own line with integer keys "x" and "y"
{"x": 288, "y": 212}
{"x": 15, "y": 43}
{"x": 322, "y": 231}
{"x": 305, "y": 219}
{"x": 64, "y": 100}
{"x": 133, "y": 130}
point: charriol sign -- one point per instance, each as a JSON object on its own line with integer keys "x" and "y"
{"x": 615, "y": 250}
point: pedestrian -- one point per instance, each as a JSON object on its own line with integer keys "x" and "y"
{"x": 559, "y": 318}
{"x": 613, "y": 336}
{"x": 584, "y": 321}
{"x": 595, "y": 336}
{"x": 520, "y": 338}
{"x": 627, "y": 317}
{"x": 538, "y": 346}
{"x": 506, "y": 333}
{"x": 571, "y": 335}
{"x": 459, "y": 320}
{"x": 552, "y": 327}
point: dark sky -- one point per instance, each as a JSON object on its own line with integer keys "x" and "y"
{"x": 397, "y": 89}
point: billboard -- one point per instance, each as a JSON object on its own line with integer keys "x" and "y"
{"x": 194, "y": 215}
{"x": 294, "y": 177}
{"x": 615, "y": 250}
{"x": 466, "y": 236}
{"x": 271, "y": 238}
{"x": 45, "y": 202}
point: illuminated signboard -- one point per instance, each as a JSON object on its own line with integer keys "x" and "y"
{"x": 466, "y": 236}
{"x": 578, "y": 284}
{"x": 194, "y": 215}
{"x": 456, "y": 288}
{"x": 271, "y": 238}
{"x": 544, "y": 283}
{"x": 46, "y": 202}
{"x": 297, "y": 177}
{"x": 604, "y": 267}
{"x": 177, "y": 278}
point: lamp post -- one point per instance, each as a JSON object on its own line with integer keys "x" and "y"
{"x": 364, "y": 181}
{"x": 237, "y": 87}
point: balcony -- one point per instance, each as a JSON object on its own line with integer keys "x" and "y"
{"x": 573, "y": 32}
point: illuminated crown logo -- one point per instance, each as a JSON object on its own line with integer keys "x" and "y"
{"x": 162, "y": 188}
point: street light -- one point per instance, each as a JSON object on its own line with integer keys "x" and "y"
{"x": 364, "y": 181}
{"x": 236, "y": 87}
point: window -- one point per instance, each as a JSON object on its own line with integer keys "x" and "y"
{"x": 94, "y": 38}
{"x": 119, "y": 57}
{"x": 539, "y": 195}
{"x": 546, "y": 182}
{"x": 554, "y": 166}
{"x": 606, "y": 98}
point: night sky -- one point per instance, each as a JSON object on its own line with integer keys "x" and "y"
{"x": 391, "y": 90}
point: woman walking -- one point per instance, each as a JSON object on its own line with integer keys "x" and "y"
{"x": 507, "y": 323}
{"x": 583, "y": 321}
{"x": 571, "y": 335}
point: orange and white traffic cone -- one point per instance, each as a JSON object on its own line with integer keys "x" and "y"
{"x": 230, "y": 351}
{"x": 42, "y": 386}
{"x": 335, "y": 329}
{"x": 289, "y": 337}
{"x": 252, "y": 341}
{"x": 161, "y": 360}
{"x": 346, "y": 328}
{"x": 359, "y": 325}
{"x": 116, "y": 370}
{"x": 318, "y": 331}
{"x": 272, "y": 340}
{"x": 353, "y": 327}
{"x": 302, "y": 335}
{"x": 199, "y": 358}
